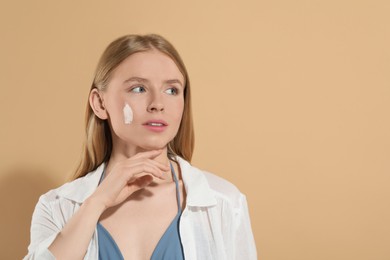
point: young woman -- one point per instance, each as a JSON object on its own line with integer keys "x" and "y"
{"x": 135, "y": 195}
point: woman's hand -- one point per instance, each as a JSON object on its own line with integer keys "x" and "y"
{"x": 127, "y": 177}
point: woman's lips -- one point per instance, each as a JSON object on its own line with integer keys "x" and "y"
{"x": 156, "y": 125}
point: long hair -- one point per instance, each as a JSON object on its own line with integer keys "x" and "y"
{"x": 97, "y": 146}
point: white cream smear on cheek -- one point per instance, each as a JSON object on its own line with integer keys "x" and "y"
{"x": 127, "y": 114}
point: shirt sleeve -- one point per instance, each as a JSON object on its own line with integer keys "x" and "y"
{"x": 244, "y": 240}
{"x": 43, "y": 232}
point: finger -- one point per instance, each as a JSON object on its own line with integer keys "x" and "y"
{"x": 149, "y": 154}
{"x": 130, "y": 188}
{"x": 161, "y": 166}
{"x": 164, "y": 168}
{"x": 139, "y": 183}
{"x": 135, "y": 170}
{"x": 142, "y": 181}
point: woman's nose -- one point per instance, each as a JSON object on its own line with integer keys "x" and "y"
{"x": 156, "y": 104}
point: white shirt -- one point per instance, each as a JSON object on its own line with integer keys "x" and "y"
{"x": 214, "y": 225}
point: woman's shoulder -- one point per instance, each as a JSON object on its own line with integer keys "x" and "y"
{"x": 56, "y": 193}
{"x": 76, "y": 190}
{"x": 221, "y": 187}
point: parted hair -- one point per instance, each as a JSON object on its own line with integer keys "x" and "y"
{"x": 97, "y": 145}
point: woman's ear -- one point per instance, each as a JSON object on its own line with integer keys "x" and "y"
{"x": 97, "y": 104}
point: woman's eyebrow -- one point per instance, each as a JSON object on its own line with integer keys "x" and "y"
{"x": 173, "y": 81}
{"x": 138, "y": 79}
{"x": 143, "y": 80}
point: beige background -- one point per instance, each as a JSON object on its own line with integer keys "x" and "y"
{"x": 291, "y": 104}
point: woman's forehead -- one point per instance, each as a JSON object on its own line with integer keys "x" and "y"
{"x": 149, "y": 65}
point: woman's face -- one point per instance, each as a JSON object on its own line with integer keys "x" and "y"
{"x": 145, "y": 100}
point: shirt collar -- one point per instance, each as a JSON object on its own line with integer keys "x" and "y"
{"x": 81, "y": 188}
{"x": 199, "y": 193}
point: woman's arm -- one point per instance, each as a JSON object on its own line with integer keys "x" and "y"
{"x": 43, "y": 230}
{"x": 244, "y": 240}
{"x": 72, "y": 241}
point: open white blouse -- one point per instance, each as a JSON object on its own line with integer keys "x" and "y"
{"x": 214, "y": 224}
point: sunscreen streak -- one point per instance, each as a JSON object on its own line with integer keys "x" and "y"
{"x": 127, "y": 114}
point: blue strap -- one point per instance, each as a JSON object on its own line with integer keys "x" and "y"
{"x": 177, "y": 187}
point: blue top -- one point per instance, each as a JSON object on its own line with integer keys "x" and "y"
{"x": 168, "y": 247}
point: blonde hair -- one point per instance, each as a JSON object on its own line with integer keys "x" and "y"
{"x": 97, "y": 146}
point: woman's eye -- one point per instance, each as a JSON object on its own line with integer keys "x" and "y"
{"x": 172, "y": 91}
{"x": 138, "y": 89}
